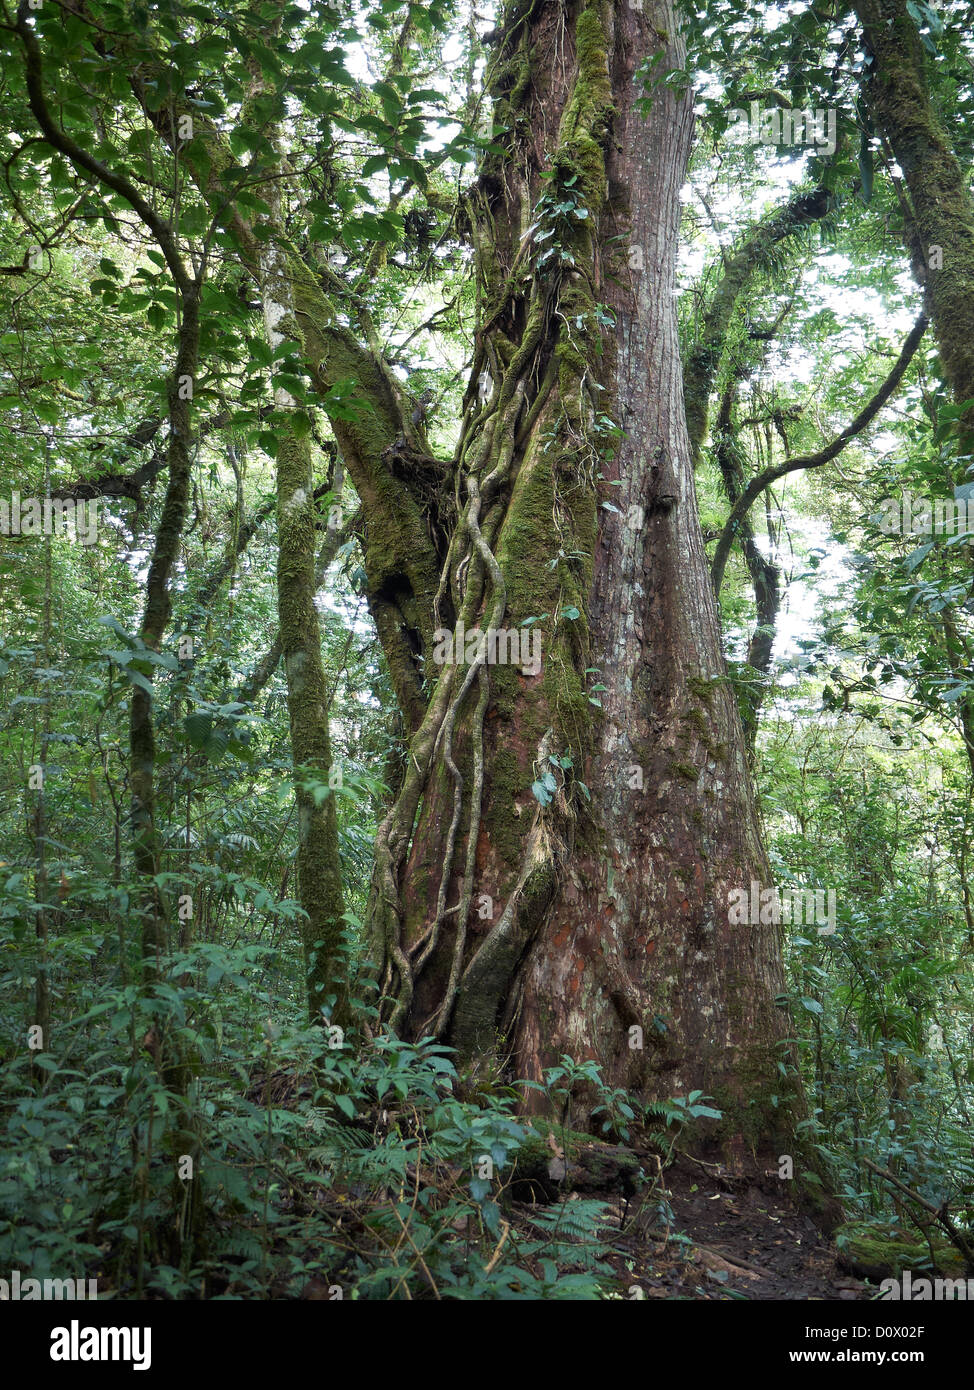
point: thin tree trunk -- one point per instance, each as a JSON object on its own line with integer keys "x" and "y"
{"x": 155, "y": 620}
{"x": 318, "y": 858}
{"x": 42, "y": 989}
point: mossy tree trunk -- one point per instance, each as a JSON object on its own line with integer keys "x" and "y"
{"x": 940, "y": 226}
{"x": 319, "y": 873}
{"x": 503, "y": 923}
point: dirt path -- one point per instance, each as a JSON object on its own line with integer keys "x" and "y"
{"x": 715, "y": 1240}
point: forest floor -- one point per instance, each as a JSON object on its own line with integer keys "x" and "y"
{"x": 695, "y": 1232}
{"x": 726, "y": 1239}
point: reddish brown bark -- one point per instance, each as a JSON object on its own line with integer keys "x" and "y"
{"x": 641, "y": 930}
{"x": 614, "y": 912}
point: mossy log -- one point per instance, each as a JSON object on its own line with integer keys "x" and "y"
{"x": 554, "y": 1161}
{"x": 874, "y": 1252}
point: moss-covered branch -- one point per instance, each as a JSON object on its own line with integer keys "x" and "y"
{"x": 756, "y": 252}
{"x": 376, "y": 439}
{"x": 942, "y": 224}
{"x": 771, "y": 474}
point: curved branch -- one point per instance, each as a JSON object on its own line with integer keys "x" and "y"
{"x": 755, "y": 252}
{"x": 130, "y": 485}
{"x": 765, "y": 574}
{"x": 771, "y": 475}
{"x": 80, "y": 158}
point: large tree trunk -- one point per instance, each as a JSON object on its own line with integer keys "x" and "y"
{"x": 538, "y": 929}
